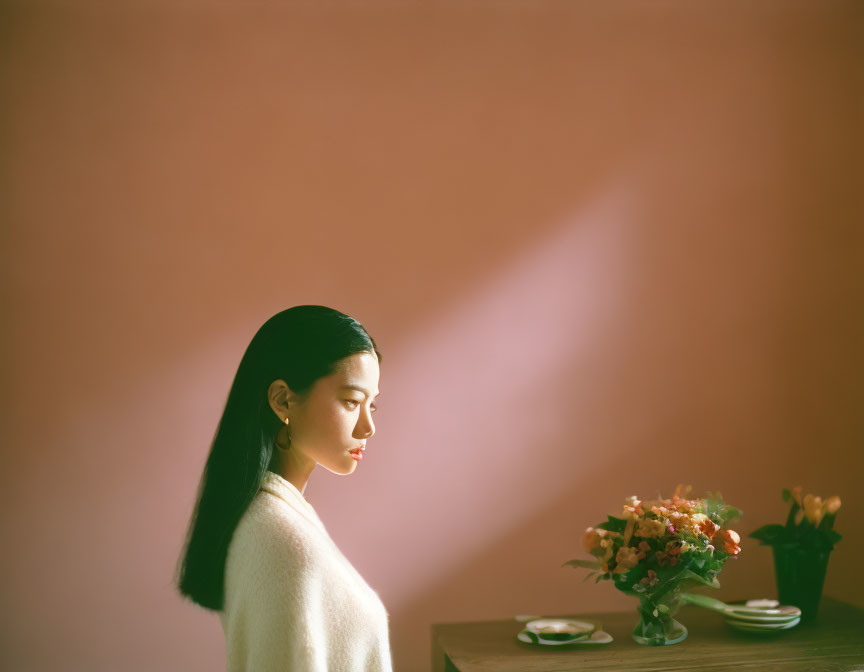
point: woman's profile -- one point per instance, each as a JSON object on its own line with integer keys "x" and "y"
{"x": 256, "y": 551}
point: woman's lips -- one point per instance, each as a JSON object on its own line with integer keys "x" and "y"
{"x": 357, "y": 454}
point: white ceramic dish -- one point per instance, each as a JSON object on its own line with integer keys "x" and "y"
{"x": 784, "y": 610}
{"x": 762, "y": 604}
{"x": 596, "y": 638}
{"x": 564, "y": 626}
{"x": 756, "y": 618}
{"x": 763, "y": 627}
{"x": 713, "y": 604}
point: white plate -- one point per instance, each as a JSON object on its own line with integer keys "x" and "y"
{"x": 783, "y": 610}
{"x": 756, "y": 618}
{"x": 597, "y": 638}
{"x": 763, "y": 628}
{"x": 762, "y": 604}
{"x": 560, "y": 625}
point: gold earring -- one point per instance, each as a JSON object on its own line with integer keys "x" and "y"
{"x": 286, "y": 421}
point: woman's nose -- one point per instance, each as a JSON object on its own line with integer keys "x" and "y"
{"x": 366, "y": 427}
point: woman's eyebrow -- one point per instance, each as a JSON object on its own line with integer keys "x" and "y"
{"x": 358, "y": 388}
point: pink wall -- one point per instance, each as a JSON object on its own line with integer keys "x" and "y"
{"x": 605, "y": 247}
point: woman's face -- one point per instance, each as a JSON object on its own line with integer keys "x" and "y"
{"x": 336, "y": 415}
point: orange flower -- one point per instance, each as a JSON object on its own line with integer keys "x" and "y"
{"x": 633, "y": 508}
{"x": 590, "y": 540}
{"x": 650, "y": 579}
{"x": 595, "y": 539}
{"x": 797, "y": 491}
{"x": 832, "y": 504}
{"x": 627, "y": 558}
{"x": 730, "y": 541}
{"x": 608, "y": 547}
{"x": 813, "y": 509}
{"x": 799, "y": 516}
{"x": 684, "y": 522}
{"x": 685, "y": 505}
{"x": 706, "y": 526}
{"x": 648, "y": 527}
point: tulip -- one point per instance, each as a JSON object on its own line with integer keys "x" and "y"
{"x": 796, "y": 494}
{"x": 813, "y": 509}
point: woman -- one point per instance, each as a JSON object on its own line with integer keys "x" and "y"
{"x": 256, "y": 551}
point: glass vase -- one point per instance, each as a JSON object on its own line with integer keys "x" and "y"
{"x": 800, "y": 574}
{"x": 657, "y": 625}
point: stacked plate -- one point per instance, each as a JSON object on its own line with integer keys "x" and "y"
{"x": 759, "y": 616}
{"x": 558, "y": 632}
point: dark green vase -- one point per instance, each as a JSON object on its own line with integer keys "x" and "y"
{"x": 800, "y": 574}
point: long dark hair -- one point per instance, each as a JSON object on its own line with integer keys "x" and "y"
{"x": 298, "y": 345}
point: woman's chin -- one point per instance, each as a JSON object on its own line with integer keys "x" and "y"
{"x": 343, "y": 469}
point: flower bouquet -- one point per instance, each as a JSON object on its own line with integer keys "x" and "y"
{"x": 801, "y": 549}
{"x": 658, "y": 549}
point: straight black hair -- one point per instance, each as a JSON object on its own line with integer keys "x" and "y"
{"x": 298, "y": 345}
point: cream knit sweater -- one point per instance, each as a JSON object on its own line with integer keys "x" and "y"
{"x": 293, "y": 602}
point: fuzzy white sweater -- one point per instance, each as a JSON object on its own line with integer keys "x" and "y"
{"x": 293, "y": 601}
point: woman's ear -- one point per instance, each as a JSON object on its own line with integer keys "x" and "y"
{"x": 279, "y": 395}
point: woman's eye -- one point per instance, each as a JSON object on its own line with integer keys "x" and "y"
{"x": 353, "y": 404}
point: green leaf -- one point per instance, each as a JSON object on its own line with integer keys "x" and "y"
{"x": 613, "y": 524}
{"x": 786, "y": 494}
{"x": 827, "y": 522}
{"x": 688, "y": 575}
{"x": 768, "y": 534}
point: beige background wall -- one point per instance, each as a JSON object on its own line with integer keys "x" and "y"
{"x": 605, "y": 247}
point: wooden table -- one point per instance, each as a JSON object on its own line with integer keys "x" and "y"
{"x": 835, "y": 642}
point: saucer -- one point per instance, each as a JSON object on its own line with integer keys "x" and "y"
{"x": 596, "y": 638}
{"x": 782, "y": 610}
{"x": 762, "y": 627}
{"x": 767, "y": 619}
{"x": 565, "y": 627}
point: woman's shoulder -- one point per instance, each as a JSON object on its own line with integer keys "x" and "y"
{"x": 272, "y": 528}
{"x": 269, "y": 558}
